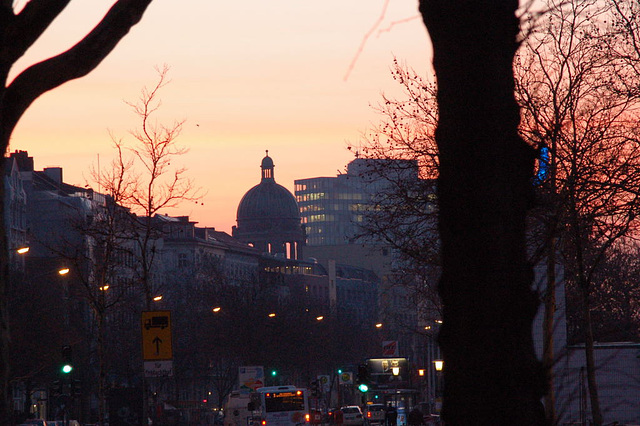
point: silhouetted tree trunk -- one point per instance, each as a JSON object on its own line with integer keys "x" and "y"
{"x": 17, "y": 33}
{"x": 491, "y": 372}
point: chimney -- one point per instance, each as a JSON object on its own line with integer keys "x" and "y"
{"x": 25, "y": 163}
{"x": 54, "y": 173}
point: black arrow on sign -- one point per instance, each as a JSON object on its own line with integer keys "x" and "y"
{"x": 157, "y": 341}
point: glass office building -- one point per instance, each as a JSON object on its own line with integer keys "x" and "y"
{"x": 331, "y": 208}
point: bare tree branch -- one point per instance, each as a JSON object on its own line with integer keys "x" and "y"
{"x": 74, "y": 63}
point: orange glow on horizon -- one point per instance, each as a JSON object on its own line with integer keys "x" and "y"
{"x": 234, "y": 101}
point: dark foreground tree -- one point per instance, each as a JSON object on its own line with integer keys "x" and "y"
{"x": 491, "y": 372}
{"x": 18, "y": 32}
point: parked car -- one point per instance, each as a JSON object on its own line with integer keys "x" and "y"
{"x": 374, "y": 413}
{"x": 352, "y": 415}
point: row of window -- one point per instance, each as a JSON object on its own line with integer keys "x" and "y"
{"x": 317, "y": 240}
{"x": 358, "y": 218}
{"x": 314, "y": 196}
{"x": 313, "y": 184}
{"x": 333, "y": 207}
{"x": 294, "y": 269}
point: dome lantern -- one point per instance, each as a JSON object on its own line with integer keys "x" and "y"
{"x": 267, "y": 168}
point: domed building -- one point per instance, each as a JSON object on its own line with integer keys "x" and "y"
{"x": 269, "y": 218}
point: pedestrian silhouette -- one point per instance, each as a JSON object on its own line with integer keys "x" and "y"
{"x": 391, "y": 416}
{"x": 415, "y": 417}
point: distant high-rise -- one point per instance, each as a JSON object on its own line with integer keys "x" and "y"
{"x": 332, "y": 207}
{"x": 333, "y": 211}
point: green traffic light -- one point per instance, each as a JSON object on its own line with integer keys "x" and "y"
{"x": 363, "y": 388}
{"x": 274, "y": 373}
{"x": 66, "y": 369}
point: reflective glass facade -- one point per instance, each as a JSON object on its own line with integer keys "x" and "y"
{"x": 330, "y": 208}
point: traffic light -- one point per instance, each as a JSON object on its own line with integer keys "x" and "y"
{"x": 76, "y": 387}
{"x": 274, "y": 373}
{"x": 67, "y": 363}
{"x": 315, "y": 388}
{"x": 363, "y": 379}
{"x": 56, "y": 388}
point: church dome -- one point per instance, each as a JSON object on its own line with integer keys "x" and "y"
{"x": 268, "y": 216}
{"x": 268, "y": 200}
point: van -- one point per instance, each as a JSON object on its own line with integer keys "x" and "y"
{"x": 374, "y": 414}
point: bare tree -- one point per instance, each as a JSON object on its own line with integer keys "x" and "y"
{"x": 35, "y": 344}
{"x": 579, "y": 109}
{"x": 102, "y": 274}
{"x": 19, "y": 32}
{"x": 147, "y": 183}
{"x": 626, "y": 28}
{"x": 482, "y": 197}
{"x": 614, "y": 299}
{"x": 403, "y": 166}
{"x": 580, "y": 104}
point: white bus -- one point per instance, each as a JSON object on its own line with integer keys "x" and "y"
{"x": 238, "y": 410}
{"x": 283, "y": 406}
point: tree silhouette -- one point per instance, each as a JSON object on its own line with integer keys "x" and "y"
{"x": 491, "y": 372}
{"x": 18, "y": 32}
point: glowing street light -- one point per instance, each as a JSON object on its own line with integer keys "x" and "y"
{"x": 104, "y": 287}
{"x": 272, "y": 315}
{"x": 63, "y": 271}
{"x": 157, "y": 298}
{"x": 216, "y": 309}
{"x": 438, "y": 364}
{"x": 379, "y": 325}
{"x": 22, "y": 250}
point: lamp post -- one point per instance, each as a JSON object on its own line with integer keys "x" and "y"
{"x": 438, "y": 364}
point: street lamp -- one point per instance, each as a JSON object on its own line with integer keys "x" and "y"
{"x": 438, "y": 364}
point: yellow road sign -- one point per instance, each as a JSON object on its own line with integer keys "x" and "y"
{"x": 156, "y": 335}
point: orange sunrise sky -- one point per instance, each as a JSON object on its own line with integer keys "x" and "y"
{"x": 246, "y": 76}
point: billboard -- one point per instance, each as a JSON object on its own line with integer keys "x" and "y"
{"x": 250, "y": 378}
{"x": 389, "y": 371}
